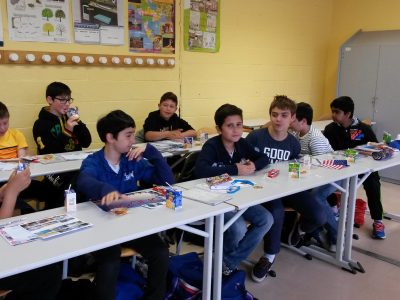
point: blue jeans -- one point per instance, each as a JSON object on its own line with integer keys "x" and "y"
{"x": 240, "y": 240}
{"x": 321, "y": 194}
{"x": 311, "y": 211}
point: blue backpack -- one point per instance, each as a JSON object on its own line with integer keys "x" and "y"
{"x": 130, "y": 284}
{"x": 186, "y": 279}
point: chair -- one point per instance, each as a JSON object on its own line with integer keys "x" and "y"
{"x": 139, "y": 137}
{"x": 367, "y": 121}
{"x": 187, "y": 171}
{"x": 4, "y": 293}
{"x": 127, "y": 252}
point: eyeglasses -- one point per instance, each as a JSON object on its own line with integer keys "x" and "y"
{"x": 64, "y": 100}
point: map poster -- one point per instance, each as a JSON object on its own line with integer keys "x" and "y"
{"x": 201, "y": 25}
{"x": 151, "y": 26}
{"x": 98, "y": 21}
{"x": 39, "y": 20}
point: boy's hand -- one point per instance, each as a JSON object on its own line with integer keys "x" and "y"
{"x": 175, "y": 134}
{"x": 19, "y": 181}
{"x": 110, "y": 197}
{"x": 72, "y": 122}
{"x": 246, "y": 169}
{"x": 135, "y": 153}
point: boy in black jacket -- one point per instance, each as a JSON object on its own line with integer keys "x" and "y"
{"x": 348, "y": 132}
{"x": 230, "y": 153}
{"x": 55, "y": 131}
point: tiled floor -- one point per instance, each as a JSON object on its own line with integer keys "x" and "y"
{"x": 298, "y": 278}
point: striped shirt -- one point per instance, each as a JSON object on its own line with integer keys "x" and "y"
{"x": 314, "y": 142}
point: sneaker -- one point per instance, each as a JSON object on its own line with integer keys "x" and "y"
{"x": 378, "y": 230}
{"x": 226, "y": 271}
{"x": 261, "y": 269}
{"x": 296, "y": 236}
{"x": 332, "y": 248}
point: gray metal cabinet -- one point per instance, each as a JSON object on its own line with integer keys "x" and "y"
{"x": 369, "y": 72}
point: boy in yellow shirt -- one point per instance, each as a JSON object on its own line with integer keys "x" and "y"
{"x": 12, "y": 141}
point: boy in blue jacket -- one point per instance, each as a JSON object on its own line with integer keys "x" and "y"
{"x": 230, "y": 153}
{"x": 107, "y": 175}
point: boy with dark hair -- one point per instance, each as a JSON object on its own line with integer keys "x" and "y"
{"x": 279, "y": 145}
{"x": 164, "y": 123}
{"x": 230, "y": 153}
{"x": 110, "y": 173}
{"x": 12, "y": 141}
{"x": 55, "y": 131}
{"x": 347, "y": 131}
{"x": 313, "y": 142}
{"x": 41, "y": 283}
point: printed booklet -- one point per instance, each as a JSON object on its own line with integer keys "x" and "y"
{"x": 45, "y": 228}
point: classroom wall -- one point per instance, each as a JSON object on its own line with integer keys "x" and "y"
{"x": 348, "y": 17}
{"x": 268, "y": 47}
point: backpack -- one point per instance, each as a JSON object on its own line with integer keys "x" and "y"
{"x": 186, "y": 279}
{"x": 130, "y": 284}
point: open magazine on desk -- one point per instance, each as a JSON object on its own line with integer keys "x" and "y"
{"x": 45, "y": 228}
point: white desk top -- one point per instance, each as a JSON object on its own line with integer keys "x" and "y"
{"x": 107, "y": 230}
{"x": 275, "y": 188}
{"x": 376, "y": 165}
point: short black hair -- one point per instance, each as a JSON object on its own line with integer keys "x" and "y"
{"x": 114, "y": 122}
{"x": 4, "y": 111}
{"x": 345, "y": 104}
{"x": 304, "y": 111}
{"x": 283, "y": 102}
{"x": 225, "y": 111}
{"x": 169, "y": 96}
{"x": 56, "y": 88}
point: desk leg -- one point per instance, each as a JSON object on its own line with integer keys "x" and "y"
{"x": 348, "y": 244}
{"x": 65, "y": 269}
{"x": 324, "y": 255}
{"x": 218, "y": 255}
{"x": 208, "y": 245}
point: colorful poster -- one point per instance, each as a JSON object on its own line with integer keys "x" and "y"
{"x": 151, "y": 26}
{"x": 201, "y": 25}
{"x": 1, "y": 27}
{"x": 98, "y": 21}
{"x": 39, "y": 20}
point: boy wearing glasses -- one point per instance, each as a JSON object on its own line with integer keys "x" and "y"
{"x": 56, "y": 132}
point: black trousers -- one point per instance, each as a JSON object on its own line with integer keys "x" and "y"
{"x": 372, "y": 187}
{"x": 39, "y": 284}
{"x": 152, "y": 248}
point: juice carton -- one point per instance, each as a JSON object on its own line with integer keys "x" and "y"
{"x": 174, "y": 199}
{"x": 294, "y": 170}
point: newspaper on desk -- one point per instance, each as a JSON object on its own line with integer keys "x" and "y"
{"x": 168, "y": 146}
{"x": 46, "y": 228}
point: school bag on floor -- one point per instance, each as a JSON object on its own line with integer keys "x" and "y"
{"x": 186, "y": 280}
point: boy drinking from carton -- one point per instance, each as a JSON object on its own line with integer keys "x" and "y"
{"x": 56, "y": 131}
{"x": 110, "y": 173}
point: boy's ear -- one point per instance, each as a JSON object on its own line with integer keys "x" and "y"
{"x": 109, "y": 137}
{"x": 159, "y": 105}
{"x": 218, "y": 129}
{"x": 49, "y": 100}
{"x": 348, "y": 114}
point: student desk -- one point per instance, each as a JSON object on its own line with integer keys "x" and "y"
{"x": 109, "y": 230}
{"x": 369, "y": 165}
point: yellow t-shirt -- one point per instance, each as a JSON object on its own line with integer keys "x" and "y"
{"x": 10, "y": 142}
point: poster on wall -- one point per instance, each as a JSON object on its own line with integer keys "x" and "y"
{"x": 1, "y": 27}
{"x": 151, "y": 26}
{"x": 98, "y": 21}
{"x": 39, "y": 20}
{"x": 201, "y": 25}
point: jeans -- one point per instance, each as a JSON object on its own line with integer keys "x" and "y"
{"x": 312, "y": 216}
{"x": 321, "y": 194}
{"x": 240, "y": 240}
